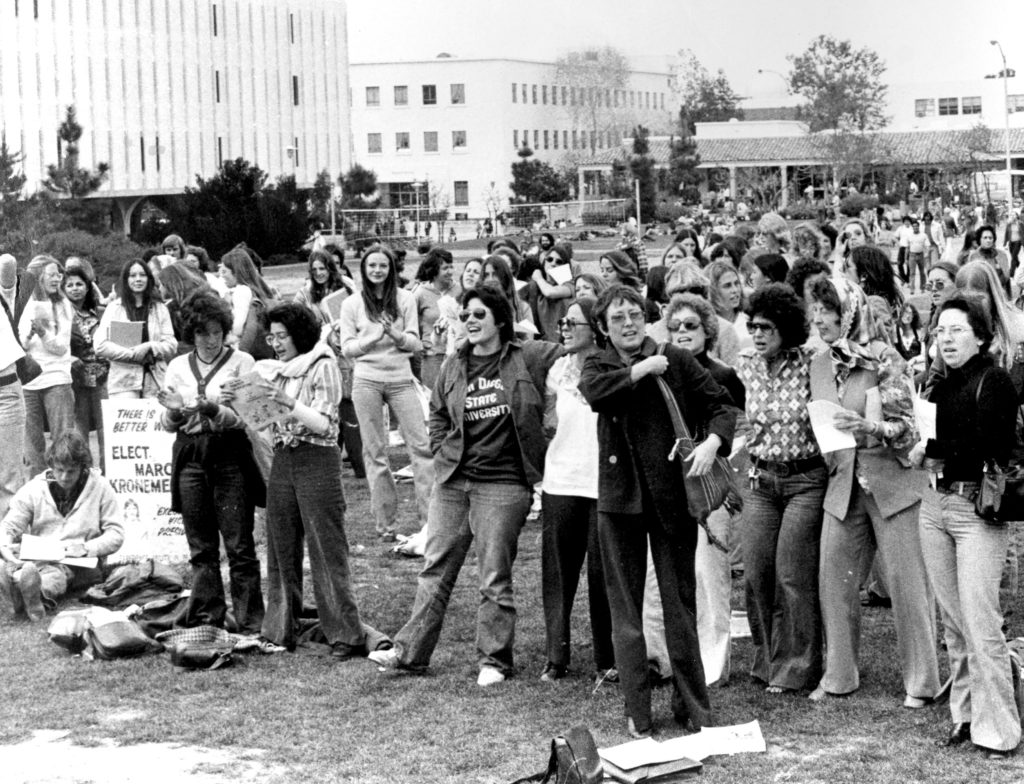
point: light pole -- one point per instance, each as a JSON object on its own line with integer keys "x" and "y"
{"x": 1006, "y": 116}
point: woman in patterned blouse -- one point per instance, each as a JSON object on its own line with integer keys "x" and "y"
{"x": 787, "y": 488}
{"x": 873, "y": 494}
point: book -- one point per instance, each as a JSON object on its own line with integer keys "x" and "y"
{"x": 252, "y": 404}
{"x": 333, "y": 303}
{"x": 658, "y": 773}
{"x": 127, "y": 334}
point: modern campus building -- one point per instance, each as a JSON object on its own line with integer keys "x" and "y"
{"x": 445, "y": 132}
{"x": 167, "y": 91}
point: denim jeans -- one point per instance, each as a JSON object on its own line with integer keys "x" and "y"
{"x": 462, "y": 511}
{"x": 569, "y": 533}
{"x": 305, "y": 502}
{"x": 213, "y": 504}
{"x": 54, "y": 405}
{"x": 89, "y": 413}
{"x": 370, "y": 398}
{"x": 964, "y": 557}
{"x": 780, "y": 560}
{"x": 12, "y": 436}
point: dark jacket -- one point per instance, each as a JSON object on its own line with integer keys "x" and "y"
{"x": 634, "y": 432}
{"x": 524, "y": 370}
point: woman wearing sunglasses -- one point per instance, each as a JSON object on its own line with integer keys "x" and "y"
{"x": 551, "y": 289}
{"x": 487, "y": 437}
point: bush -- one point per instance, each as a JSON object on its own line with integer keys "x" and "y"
{"x": 107, "y": 252}
{"x": 800, "y": 212}
{"x": 670, "y": 213}
{"x": 854, "y": 204}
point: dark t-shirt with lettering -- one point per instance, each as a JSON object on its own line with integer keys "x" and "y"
{"x": 491, "y": 452}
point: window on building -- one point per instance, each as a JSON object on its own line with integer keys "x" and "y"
{"x": 565, "y": 140}
{"x": 461, "y": 189}
{"x": 544, "y": 94}
{"x": 970, "y": 104}
{"x": 526, "y": 138}
{"x": 554, "y": 95}
{"x": 572, "y": 96}
{"x": 402, "y": 140}
{"x": 575, "y": 140}
{"x": 607, "y": 97}
{"x": 295, "y": 91}
{"x": 593, "y": 140}
{"x": 536, "y": 140}
{"x": 515, "y": 93}
{"x": 295, "y": 151}
{"x": 1015, "y": 103}
{"x": 142, "y": 153}
{"x": 590, "y": 96}
{"x": 632, "y": 99}
{"x": 458, "y": 93}
{"x": 564, "y": 91}
{"x": 515, "y": 139}
{"x": 430, "y": 141}
{"x": 220, "y": 151}
{"x": 534, "y": 90}
{"x": 291, "y": 27}
{"x": 429, "y": 94}
{"x": 524, "y": 93}
{"x": 458, "y": 140}
{"x": 401, "y": 95}
{"x": 924, "y": 107}
{"x": 373, "y": 96}
{"x": 948, "y": 106}
{"x": 374, "y": 143}
{"x": 554, "y": 139}
{"x": 546, "y": 138}
{"x": 216, "y": 86}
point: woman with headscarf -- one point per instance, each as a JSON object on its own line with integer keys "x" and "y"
{"x": 873, "y": 495}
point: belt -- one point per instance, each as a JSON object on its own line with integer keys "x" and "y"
{"x": 787, "y": 467}
{"x": 958, "y": 488}
{"x": 10, "y": 378}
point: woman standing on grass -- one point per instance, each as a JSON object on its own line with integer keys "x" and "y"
{"x": 379, "y": 329}
{"x": 976, "y": 411}
{"x": 137, "y": 371}
{"x": 88, "y": 371}
{"x": 305, "y": 500}
{"x": 434, "y": 279}
{"x": 486, "y": 433}
{"x": 45, "y": 331}
{"x": 244, "y": 284}
{"x": 215, "y": 483}
{"x": 570, "y": 504}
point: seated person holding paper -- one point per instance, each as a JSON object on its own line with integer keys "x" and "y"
{"x": 872, "y": 494}
{"x": 69, "y": 503}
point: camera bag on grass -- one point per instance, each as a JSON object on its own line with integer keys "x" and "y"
{"x": 98, "y": 633}
{"x": 574, "y": 760}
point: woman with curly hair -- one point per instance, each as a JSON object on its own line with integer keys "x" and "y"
{"x": 786, "y": 490}
{"x": 215, "y": 483}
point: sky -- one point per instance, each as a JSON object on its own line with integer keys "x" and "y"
{"x": 920, "y": 41}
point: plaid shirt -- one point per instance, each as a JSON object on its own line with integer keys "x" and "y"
{"x": 777, "y": 397}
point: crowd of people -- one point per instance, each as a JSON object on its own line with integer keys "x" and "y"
{"x": 557, "y": 387}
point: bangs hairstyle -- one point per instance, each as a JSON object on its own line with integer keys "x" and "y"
{"x": 42, "y": 262}
{"x": 176, "y": 242}
{"x": 495, "y": 301}
{"x": 597, "y": 283}
{"x": 299, "y": 322}
{"x": 127, "y": 296}
{"x": 244, "y": 269}
{"x": 431, "y": 265}
{"x": 69, "y": 450}
{"x": 972, "y": 305}
{"x": 387, "y": 303}
{"x": 625, "y": 267}
{"x": 334, "y": 279}
{"x": 612, "y": 295}
{"x": 780, "y": 305}
{"x": 90, "y": 302}
{"x": 688, "y": 234}
{"x": 700, "y": 306}
{"x": 201, "y": 309}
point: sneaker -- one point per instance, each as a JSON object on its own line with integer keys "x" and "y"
{"x": 489, "y": 676}
{"x": 388, "y": 658}
{"x": 611, "y": 675}
{"x": 553, "y": 672}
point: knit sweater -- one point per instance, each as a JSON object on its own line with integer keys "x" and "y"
{"x": 53, "y": 350}
{"x": 384, "y": 361}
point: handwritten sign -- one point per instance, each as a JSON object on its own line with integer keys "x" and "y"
{"x": 138, "y": 463}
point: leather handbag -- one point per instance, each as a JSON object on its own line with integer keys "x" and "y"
{"x": 704, "y": 494}
{"x": 574, "y": 760}
{"x": 1000, "y": 495}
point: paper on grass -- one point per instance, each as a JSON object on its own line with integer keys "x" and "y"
{"x": 710, "y": 741}
{"x": 254, "y": 406}
{"x": 828, "y": 436}
{"x": 924, "y": 417}
{"x": 46, "y": 548}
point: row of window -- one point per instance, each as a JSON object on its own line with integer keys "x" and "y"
{"x": 219, "y": 94}
{"x": 580, "y": 140}
{"x": 412, "y": 194}
{"x": 155, "y": 150}
{"x": 589, "y": 96}
{"x": 428, "y": 93}
{"x": 969, "y": 104}
{"x": 375, "y": 141}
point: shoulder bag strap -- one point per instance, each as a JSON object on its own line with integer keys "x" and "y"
{"x": 682, "y": 432}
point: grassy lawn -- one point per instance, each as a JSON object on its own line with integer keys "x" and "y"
{"x": 319, "y": 721}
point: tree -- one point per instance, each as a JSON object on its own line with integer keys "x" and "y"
{"x": 358, "y": 188}
{"x": 67, "y": 177}
{"x": 535, "y": 182}
{"x": 492, "y": 200}
{"x": 440, "y": 200}
{"x": 595, "y": 75}
{"x": 641, "y": 166}
{"x": 12, "y": 178}
{"x": 706, "y": 98}
{"x": 320, "y": 198}
{"x": 682, "y": 161}
{"x": 842, "y": 85}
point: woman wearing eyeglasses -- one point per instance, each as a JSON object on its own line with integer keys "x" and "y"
{"x": 787, "y": 482}
{"x": 486, "y": 433}
{"x": 380, "y": 330}
{"x": 570, "y": 504}
{"x": 976, "y": 410}
{"x": 550, "y": 296}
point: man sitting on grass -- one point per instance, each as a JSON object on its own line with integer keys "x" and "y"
{"x": 69, "y": 503}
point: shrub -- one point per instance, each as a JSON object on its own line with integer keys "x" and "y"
{"x": 280, "y": 259}
{"x": 800, "y": 212}
{"x": 854, "y": 204}
{"x": 107, "y": 252}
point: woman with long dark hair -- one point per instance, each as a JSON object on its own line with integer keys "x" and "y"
{"x": 137, "y": 371}
{"x": 379, "y": 330}
{"x": 244, "y": 283}
{"x": 88, "y": 371}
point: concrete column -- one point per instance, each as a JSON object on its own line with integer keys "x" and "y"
{"x": 784, "y": 182}
{"x": 732, "y": 184}
{"x": 126, "y": 206}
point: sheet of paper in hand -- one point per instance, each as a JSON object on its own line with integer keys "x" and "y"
{"x": 253, "y": 404}
{"x": 46, "y": 548}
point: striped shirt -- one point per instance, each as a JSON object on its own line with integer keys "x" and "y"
{"x": 320, "y": 389}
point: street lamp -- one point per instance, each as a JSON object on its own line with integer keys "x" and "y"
{"x": 1006, "y": 111}
{"x": 416, "y": 185}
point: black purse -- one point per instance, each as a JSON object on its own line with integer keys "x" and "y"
{"x": 1000, "y": 496}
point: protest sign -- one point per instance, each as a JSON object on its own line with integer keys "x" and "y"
{"x": 138, "y": 466}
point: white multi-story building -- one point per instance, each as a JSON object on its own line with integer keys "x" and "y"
{"x": 167, "y": 91}
{"x": 444, "y": 133}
